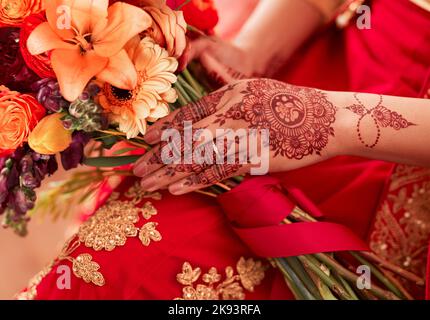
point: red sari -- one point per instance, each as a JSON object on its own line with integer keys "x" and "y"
{"x": 165, "y": 255}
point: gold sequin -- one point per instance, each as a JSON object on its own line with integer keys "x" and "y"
{"x": 250, "y": 273}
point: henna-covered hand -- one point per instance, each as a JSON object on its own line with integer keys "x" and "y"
{"x": 297, "y": 122}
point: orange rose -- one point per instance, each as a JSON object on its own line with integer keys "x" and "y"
{"x": 168, "y": 28}
{"x": 50, "y": 136}
{"x": 19, "y": 114}
{"x": 13, "y": 12}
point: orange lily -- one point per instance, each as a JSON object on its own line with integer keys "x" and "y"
{"x": 92, "y": 46}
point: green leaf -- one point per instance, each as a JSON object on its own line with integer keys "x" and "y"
{"x": 122, "y": 151}
{"x": 101, "y": 162}
{"x": 109, "y": 142}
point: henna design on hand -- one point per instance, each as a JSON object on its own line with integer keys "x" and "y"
{"x": 382, "y": 118}
{"x": 212, "y": 175}
{"x": 199, "y": 110}
{"x": 299, "y": 119}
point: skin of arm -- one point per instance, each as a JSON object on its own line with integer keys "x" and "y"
{"x": 381, "y": 127}
{"x": 273, "y": 32}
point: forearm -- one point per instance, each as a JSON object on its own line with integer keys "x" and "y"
{"x": 381, "y": 127}
{"x": 276, "y": 29}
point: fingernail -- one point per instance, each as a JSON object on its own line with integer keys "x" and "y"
{"x": 141, "y": 169}
{"x": 177, "y": 189}
{"x": 152, "y": 136}
{"x": 149, "y": 183}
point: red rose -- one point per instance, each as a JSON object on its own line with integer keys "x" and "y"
{"x": 41, "y": 64}
{"x": 200, "y": 14}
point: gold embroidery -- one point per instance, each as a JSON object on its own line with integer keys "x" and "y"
{"x": 110, "y": 226}
{"x": 83, "y": 267}
{"x": 31, "y": 292}
{"x": 148, "y": 211}
{"x": 137, "y": 194}
{"x": 149, "y": 232}
{"x": 250, "y": 273}
{"x": 113, "y": 223}
{"x": 402, "y": 225}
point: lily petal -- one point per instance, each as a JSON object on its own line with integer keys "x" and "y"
{"x": 82, "y": 15}
{"x": 43, "y": 39}
{"x": 87, "y": 13}
{"x": 120, "y": 72}
{"x": 74, "y": 70}
{"x": 124, "y": 22}
{"x": 58, "y": 14}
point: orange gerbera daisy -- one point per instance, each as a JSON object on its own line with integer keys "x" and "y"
{"x": 149, "y": 100}
{"x": 87, "y": 39}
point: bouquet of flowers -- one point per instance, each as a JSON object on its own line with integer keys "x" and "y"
{"x": 80, "y": 72}
{"x": 81, "y": 78}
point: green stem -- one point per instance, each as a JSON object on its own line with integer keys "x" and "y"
{"x": 193, "y": 82}
{"x": 304, "y": 276}
{"x": 329, "y": 281}
{"x": 183, "y": 93}
{"x": 285, "y": 263}
{"x": 290, "y": 283}
{"x": 346, "y": 286}
{"x": 352, "y": 277}
{"x": 195, "y": 96}
{"x": 178, "y": 8}
{"x": 181, "y": 99}
{"x": 378, "y": 275}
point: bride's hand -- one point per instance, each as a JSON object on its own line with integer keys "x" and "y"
{"x": 223, "y": 61}
{"x": 295, "y": 127}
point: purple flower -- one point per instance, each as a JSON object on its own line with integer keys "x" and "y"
{"x": 19, "y": 176}
{"x": 74, "y": 155}
{"x": 49, "y": 95}
{"x": 21, "y": 201}
{"x": 3, "y": 189}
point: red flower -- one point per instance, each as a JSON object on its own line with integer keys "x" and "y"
{"x": 200, "y": 14}
{"x": 40, "y": 64}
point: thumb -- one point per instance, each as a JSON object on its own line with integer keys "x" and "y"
{"x": 201, "y": 45}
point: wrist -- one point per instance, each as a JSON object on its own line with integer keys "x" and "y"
{"x": 345, "y": 127}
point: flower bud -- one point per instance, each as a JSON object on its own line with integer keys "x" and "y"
{"x": 50, "y": 136}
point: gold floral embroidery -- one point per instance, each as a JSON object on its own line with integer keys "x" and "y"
{"x": 31, "y": 292}
{"x": 402, "y": 226}
{"x": 110, "y": 226}
{"x": 113, "y": 223}
{"x": 137, "y": 194}
{"x": 250, "y": 273}
{"x": 149, "y": 232}
{"x": 83, "y": 267}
